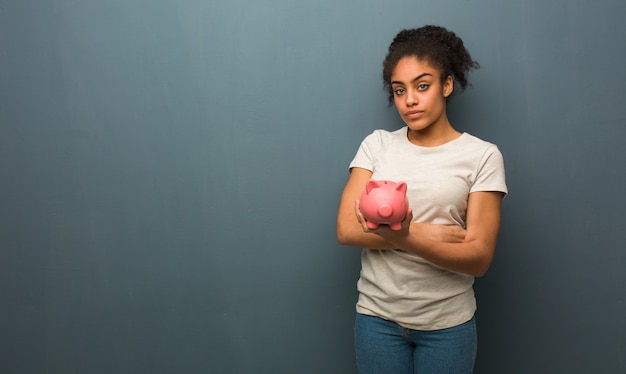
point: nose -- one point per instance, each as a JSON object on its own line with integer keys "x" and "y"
{"x": 410, "y": 98}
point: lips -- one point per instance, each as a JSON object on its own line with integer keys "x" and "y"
{"x": 414, "y": 114}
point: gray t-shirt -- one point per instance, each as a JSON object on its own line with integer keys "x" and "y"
{"x": 405, "y": 288}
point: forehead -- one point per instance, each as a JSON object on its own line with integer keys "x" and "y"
{"x": 409, "y": 68}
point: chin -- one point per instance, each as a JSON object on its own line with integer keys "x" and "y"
{"x": 417, "y": 126}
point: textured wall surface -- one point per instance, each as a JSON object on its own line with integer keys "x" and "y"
{"x": 170, "y": 173}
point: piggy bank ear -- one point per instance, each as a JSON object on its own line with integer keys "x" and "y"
{"x": 401, "y": 187}
{"x": 371, "y": 184}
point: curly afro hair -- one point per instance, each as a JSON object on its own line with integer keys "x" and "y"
{"x": 438, "y": 46}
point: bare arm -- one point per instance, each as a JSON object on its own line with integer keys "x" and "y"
{"x": 351, "y": 231}
{"x": 471, "y": 256}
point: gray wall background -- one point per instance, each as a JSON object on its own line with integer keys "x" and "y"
{"x": 170, "y": 172}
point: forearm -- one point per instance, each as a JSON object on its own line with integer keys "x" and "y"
{"x": 467, "y": 258}
{"x": 471, "y": 255}
{"x": 352, "y": 234}
{"x": 438, "y": 244}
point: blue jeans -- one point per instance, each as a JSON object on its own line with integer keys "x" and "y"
{"x": 385, "y": 347}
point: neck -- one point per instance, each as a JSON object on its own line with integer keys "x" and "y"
{"x": 433, "y": 136}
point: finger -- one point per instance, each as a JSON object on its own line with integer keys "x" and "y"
{"x": 357, "y": 211}
{"x": 409, "y": 215}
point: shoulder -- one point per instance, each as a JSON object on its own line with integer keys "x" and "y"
{"x": 374, "y": 145}
{"x": 489, "y": 165}
{"x": 383, "y": 137}
{"x": 478, "y": 145}
{"x": 470, "y": 139}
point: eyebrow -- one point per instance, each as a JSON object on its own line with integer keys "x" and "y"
{"x": 415, "y": 79}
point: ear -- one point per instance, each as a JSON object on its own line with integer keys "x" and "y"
{"x": 371, "y": 184}
{"x": 401, "y": 187}
{"x": 448, "y": 87}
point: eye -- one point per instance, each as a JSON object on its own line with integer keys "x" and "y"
{"x": 423, "y": 87}
{"x": 398, "y": 91}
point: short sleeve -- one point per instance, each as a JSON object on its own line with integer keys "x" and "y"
{"x": 491, "y": 175}
{"x": 365, "y": 155}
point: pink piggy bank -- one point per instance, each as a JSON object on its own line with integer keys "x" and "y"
{"x": 384, "y": 202}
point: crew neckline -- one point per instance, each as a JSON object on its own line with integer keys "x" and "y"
{"x": 408, "y": 141}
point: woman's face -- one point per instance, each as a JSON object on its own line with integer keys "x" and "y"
{"x": 418, "y": 93}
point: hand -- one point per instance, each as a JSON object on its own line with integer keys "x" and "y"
{"x": 445, "y": 233}
{"x": 359, "y": 217}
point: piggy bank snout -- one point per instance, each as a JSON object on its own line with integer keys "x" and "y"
{"x": 385, "y": 210}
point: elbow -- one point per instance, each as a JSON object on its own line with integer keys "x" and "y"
{"x": 342, "y": 240}
{"x": 482, "y": 267}
{"x": 480, "y": 272}
{"x": 342, "y": 236}
{"x": 345, "y": 236}
{"x": 481, "y": 258}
